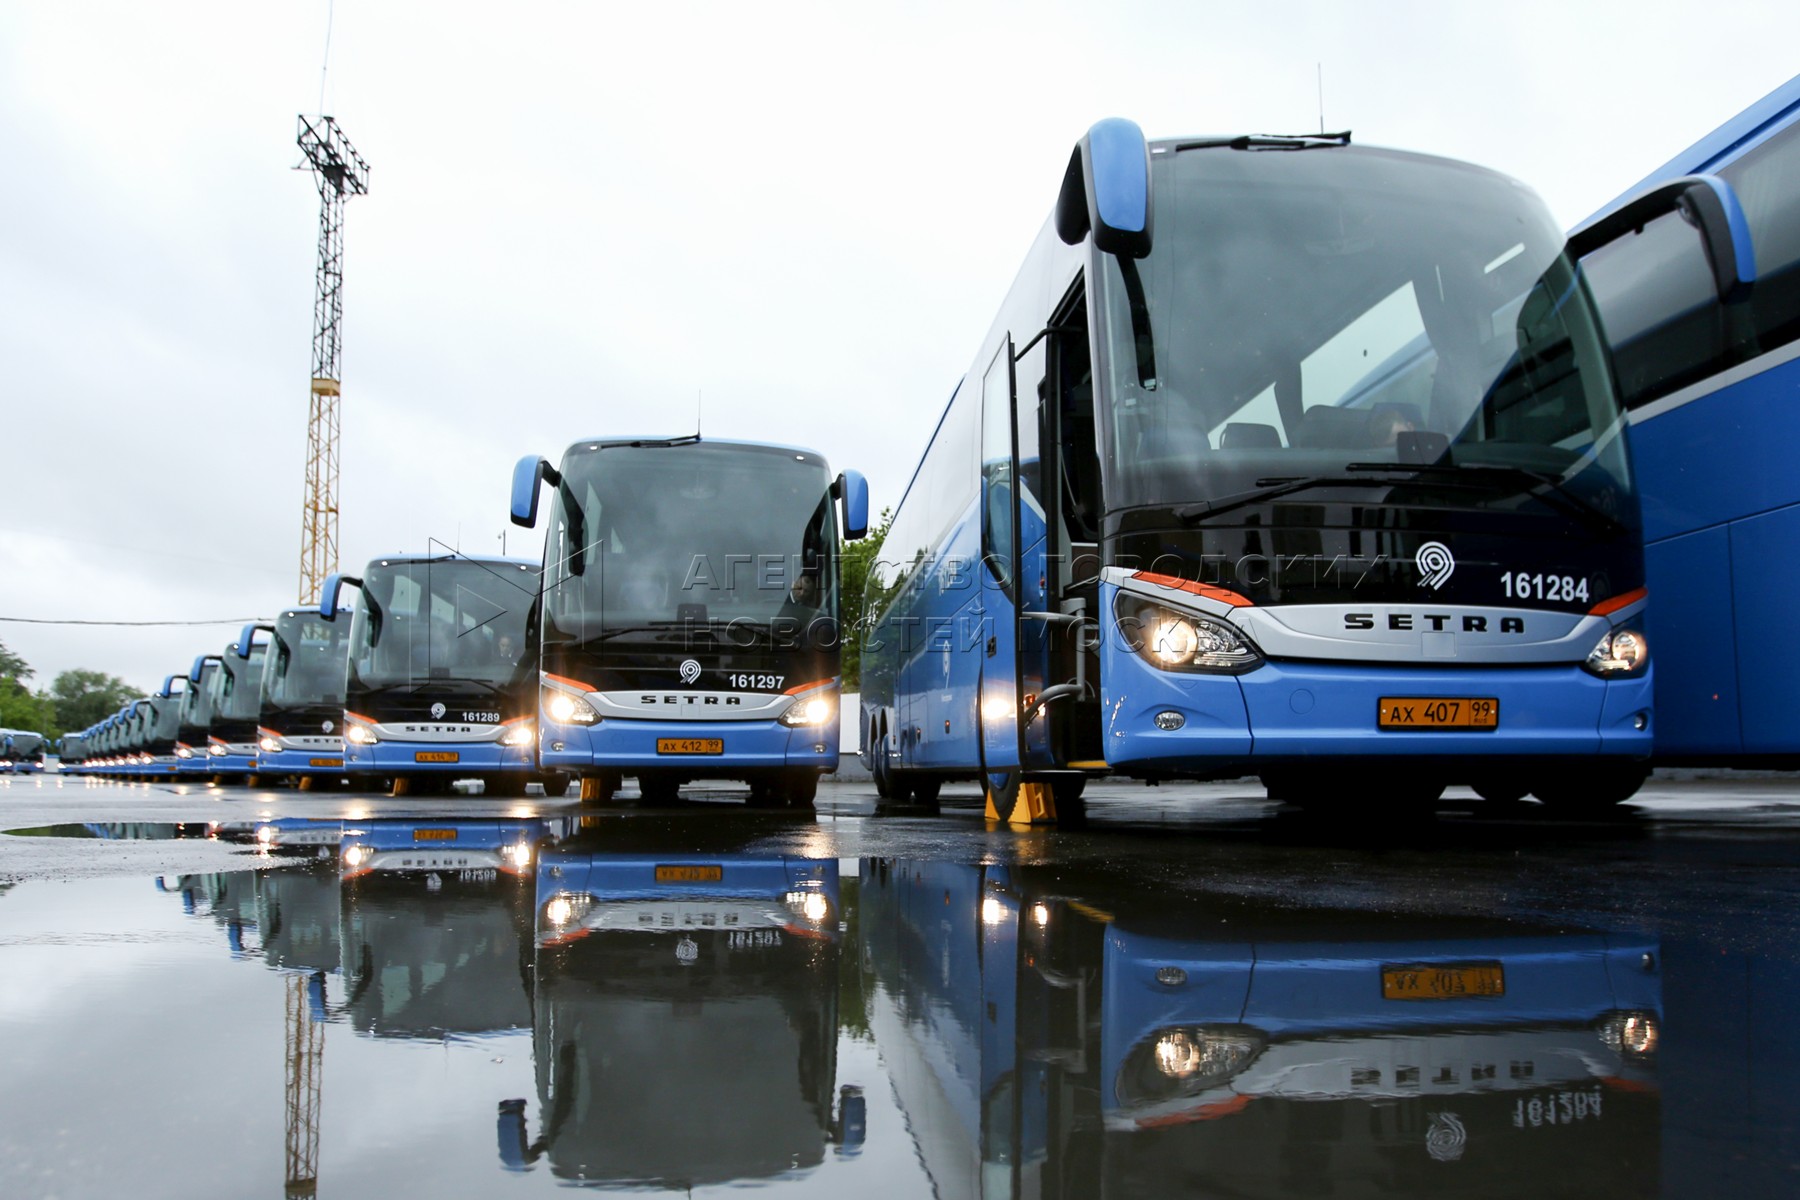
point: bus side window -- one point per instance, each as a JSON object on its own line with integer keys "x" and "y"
{"x": 1767, "y": 181}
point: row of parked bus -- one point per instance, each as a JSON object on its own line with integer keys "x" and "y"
{"x": 684, "y": 625}
{"x": 1284, "y": 457}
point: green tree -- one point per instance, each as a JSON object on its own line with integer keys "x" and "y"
{"x": 84, "y": 697}
{"x": 20, "y": 709}
{"x": 12, "y": 666}
{"x": 854, "y": 567}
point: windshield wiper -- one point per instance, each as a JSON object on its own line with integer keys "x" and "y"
{"x": 1550, "y": 487}
{"x": 1269, "y": 141}
{"x": 1270, "y": 488}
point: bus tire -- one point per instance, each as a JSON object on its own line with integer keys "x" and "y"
{"x": 659, "y": 789}
{"x": 879, "y": 769}
{"x": 914, "y": 789}
{"x": 1592, "y": 789}
{"x": 796, "y": 790}
{"x": 1501, "y": 790}
{"x": 556, "y": 786}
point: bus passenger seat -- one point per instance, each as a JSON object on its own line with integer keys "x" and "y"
{"x": 1249, "y": 435}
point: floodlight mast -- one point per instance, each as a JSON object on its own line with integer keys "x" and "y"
{"x": 339, "y": 171}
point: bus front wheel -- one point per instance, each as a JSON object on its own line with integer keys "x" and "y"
{"x": 1592, "y": 789}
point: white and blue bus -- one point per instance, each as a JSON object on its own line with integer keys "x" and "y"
{"x": 300, "y": 720}
{"x": 689, "y": 624}
{"x": 441, "y": 682}
{"x": 1712, "y": 387}
{"x": 1283, "y": 457}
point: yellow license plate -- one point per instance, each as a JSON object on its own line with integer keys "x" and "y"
{"x": 1438, "y": 712}
{"x": 434, "y": 835}
{"x": 437, "y": 756}
{"x": 690, "y": 745}
{"x": 1456, "y": 981}
{"x": 324, "y": 762}
{"x": 689, "y": 874}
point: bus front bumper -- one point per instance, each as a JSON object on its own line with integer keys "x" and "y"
{"x": 429, "y": 758}
{"x": 693, "y": 748}
{"x": 1291, "y": 713}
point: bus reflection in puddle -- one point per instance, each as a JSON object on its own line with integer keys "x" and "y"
{"x": 686, "y": 1020}
{"x": 1049, "y": 1041}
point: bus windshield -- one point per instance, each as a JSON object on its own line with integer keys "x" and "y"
{"x": 308, "y": 663}
{"x": 1332, "y": 313}
{"x": 235, "y": 690}
{"x": 441, "y": 619}
{"x": 697, "y": 532}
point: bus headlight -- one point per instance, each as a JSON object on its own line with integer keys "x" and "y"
{"x": 1620, "y": 653}
{"x": 1186, "y": 1060}
{"x": 565, "y": 707}
{"x": 521, "y": 734}
{"x": 359, "y": 734}
{"x": 812, "y": 708}
{"x": 356, "y": 854}
{"x": 1631, "y": 1034}
{"x": 1183, "y": 641}
{"x": 269, "y": 745}
{"x": 562, "y": 914}
{"x": 183, "y": 752}
{"x": 812, "y": 907}
{"x": 217, "y": 751}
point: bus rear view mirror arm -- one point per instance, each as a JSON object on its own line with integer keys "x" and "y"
{"x": 328, "y": 595}
{"x": 1709, "y": 203}
{"x": 528, "y": 474}
{"x": 247, "y": 638}
{"x": 199, "y": 667}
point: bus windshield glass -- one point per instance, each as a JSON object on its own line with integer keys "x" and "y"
{"x": 235, "y": 690}
{"x": 450, "y": 619}
{"x": 1343, "y": 313}
{"x": 691, "y": 533}
{"x": 308, "y": 663}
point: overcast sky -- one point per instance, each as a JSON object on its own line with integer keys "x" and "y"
{"x": 583, "y": 218}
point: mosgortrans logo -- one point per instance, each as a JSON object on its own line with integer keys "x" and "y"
{"x": 1436, "y": 564}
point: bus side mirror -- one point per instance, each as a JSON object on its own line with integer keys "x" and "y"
{"x": 199, "y": 663}
{"x": 1106, "y": 190}
{"x": 328, "y": 595}
{"x": 853, "y": 490}
{"x": 167, "y": 690}
{"x": 246, "y": 638}
{"x": 1709, "y": 203}
{"x": 530, "y": 471}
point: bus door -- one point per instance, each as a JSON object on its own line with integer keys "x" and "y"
{"x": 1012, "y": 576}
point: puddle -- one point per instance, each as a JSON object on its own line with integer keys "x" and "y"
{"x": 456, "y": 1005}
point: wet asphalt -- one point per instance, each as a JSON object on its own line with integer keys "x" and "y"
{"x": 1696, "y": 883}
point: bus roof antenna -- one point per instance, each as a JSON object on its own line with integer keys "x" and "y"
{"x": 1321, "y": 75}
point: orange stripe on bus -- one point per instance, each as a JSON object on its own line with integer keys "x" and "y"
{"x": 1623, "y": 600}
{"x": 807, "y": 687}
{"x": 1223, "y": 595}
{"x": 574, "y": 683}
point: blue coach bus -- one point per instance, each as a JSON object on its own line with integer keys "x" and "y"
{"x": 1284, "y": 457}
{"x": 689, "y": 621}
{"x": 1713, "y": 391}
{"x": 442, "y": 675}
{"x": 236, "y": 707}
{"x": 194, "y": 726}
{"x": 300, "y": 719}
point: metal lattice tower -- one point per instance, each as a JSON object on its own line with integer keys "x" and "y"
{"x": 305, "y": 1059}
{"x": 339, "y": 172}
